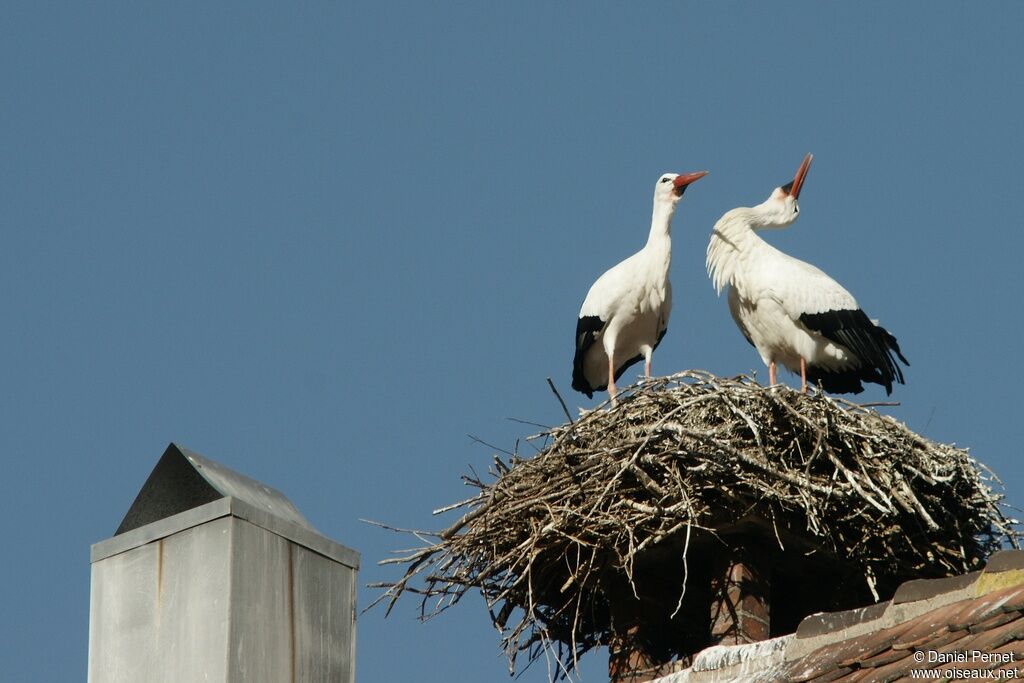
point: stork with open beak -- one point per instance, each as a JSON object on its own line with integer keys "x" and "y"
{"x": 792, "y": 312}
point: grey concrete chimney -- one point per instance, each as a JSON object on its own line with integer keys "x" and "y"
{"x": 215, "y": 577}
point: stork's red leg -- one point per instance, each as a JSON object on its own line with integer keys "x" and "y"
{"x": 611, "y": 381}
{"x": 771, "y": 374}
{"x": 803, "y": 375}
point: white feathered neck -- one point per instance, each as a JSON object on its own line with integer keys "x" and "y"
{"x": 658, "y": 250}
{"x": 734, "y": 239}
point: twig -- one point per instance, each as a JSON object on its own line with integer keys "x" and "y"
{"x": 559, "y": 397}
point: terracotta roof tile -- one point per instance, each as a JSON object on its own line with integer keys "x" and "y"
{"x": 997, "y": 619}
{"x": 952, "y": 647}
{"x": 1005, "y": 560}
{"x": 878, "y": 643}
{"x": 946, "y": 639}
{"x": 922, "y": 589}
{"x": 970, "y": 612}
{"x": 997, "y": 637}
{"x": 830, "y": 622}
{"x": 925, "y": 628}
{"x": 893, "y": 671}
{"x": 814, "y": 665}
{"x": 1013, "y": 647}
{"x": 856, "y": 650}
{"x": 834, "y": 675}
{"x": 1014, "y": 599}
{"x": 884, "y": 657}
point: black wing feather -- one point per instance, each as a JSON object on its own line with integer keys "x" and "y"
{"x": 870, "y": 344}
{"x": 588, "y": 328}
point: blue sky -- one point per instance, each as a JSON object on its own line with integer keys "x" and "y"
{"x": 322, "y": 243}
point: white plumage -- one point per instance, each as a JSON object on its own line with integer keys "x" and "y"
{"x": 625, "y": 314}
{"x": 792, "y": 312}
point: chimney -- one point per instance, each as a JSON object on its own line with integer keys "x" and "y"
{"x": 740, "y": 596}
{"x": 213, "y": 576}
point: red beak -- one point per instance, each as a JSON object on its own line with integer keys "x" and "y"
{"x": 801, "y": 173}
{"x": 687, "y": 178}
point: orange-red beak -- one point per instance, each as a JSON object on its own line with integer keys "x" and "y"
{"x": 801, "y": 173}
{"x": 687, "y": 178}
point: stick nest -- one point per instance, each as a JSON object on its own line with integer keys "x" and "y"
{"x": 549, "y": 540}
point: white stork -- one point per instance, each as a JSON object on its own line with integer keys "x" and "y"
{"x": 792, "y": 312}
{"x": 625, "y": 314}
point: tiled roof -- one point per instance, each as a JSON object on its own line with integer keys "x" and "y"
{"x": 969, "y": 627}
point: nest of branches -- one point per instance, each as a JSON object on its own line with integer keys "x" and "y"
{"x": 623, "y": 506}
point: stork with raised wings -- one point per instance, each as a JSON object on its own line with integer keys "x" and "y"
{"x": 625, "y": 314}
{"x": 791, "y": 312}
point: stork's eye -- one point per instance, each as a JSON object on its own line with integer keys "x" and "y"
{"x": 665, "y": 180}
